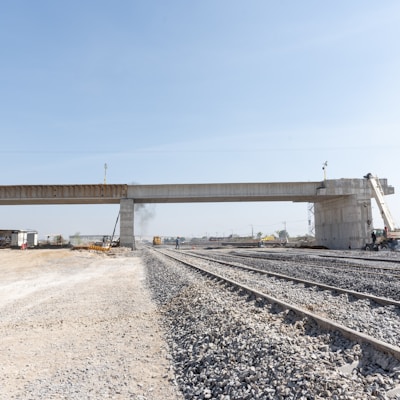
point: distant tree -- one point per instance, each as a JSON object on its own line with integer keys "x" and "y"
{"x": 282, "y": 234}
{"x": 259, "y": 235}
{"x": 77, "y": 237}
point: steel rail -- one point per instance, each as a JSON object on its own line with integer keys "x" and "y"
{"x": 360, "y": 258}
{"x": 334, "y": 257}
{"x": 323, "y": 323}
{"x": 395, "y": 272}
{"x": 316, "y": 253}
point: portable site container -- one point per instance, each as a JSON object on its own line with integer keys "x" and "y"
{"x": 32, "y": 238}
{"x": 23, "y": 238}
{"x": 19, "y": 238}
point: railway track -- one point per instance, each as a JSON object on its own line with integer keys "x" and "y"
{"x": 250, "y": 280}
{"x": 380, "y": 300}
{"x": 370, "y": 277}
{"x": 367, "y": 265}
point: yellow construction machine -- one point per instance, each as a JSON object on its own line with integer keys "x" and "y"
{"x": 156, "y": 240}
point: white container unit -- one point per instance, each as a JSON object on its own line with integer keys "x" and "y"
{"x": 23, "y": 239}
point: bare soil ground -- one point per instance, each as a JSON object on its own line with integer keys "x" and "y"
{"x": 79, "y": 325}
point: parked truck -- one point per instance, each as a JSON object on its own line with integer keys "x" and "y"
{"x": 387, "y": 238}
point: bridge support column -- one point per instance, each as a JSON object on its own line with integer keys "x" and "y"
{"x": 126, "y": 224}
{"x": 343, "y": 223}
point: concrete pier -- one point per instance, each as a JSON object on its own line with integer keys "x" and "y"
{"x": 126, "y": 225}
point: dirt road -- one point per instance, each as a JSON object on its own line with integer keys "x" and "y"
{"x": 79, "y": 325}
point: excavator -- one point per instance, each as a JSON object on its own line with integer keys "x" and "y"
{"x": 387, "y": 238}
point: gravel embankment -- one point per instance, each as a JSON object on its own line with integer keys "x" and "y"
{"x": 224, "y": 346}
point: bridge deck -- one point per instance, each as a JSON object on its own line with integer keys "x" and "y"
{"x": 311, "y": 192}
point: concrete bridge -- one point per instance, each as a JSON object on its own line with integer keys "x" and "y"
{"x": 342, "y": 207}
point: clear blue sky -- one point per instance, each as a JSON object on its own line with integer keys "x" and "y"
{"x": 195, "y": 92}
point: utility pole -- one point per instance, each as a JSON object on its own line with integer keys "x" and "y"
{"x": 105, "y": 174}
{"x": 324, "y": 165}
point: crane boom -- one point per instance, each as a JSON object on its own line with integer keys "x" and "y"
{"x": 380, "y": 201}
